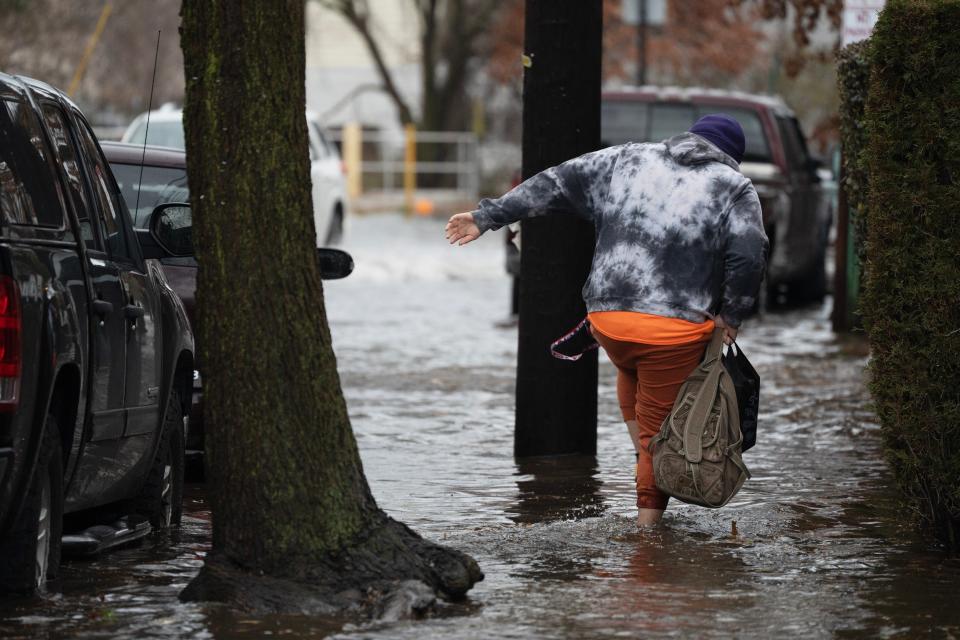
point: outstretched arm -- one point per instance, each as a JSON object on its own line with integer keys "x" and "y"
{"x": 578, "y": 186}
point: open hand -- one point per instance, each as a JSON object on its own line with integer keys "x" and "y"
{"x": 461, "y": 229}
{"x": 729, "y": 333}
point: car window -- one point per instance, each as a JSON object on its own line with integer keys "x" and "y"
{"x": 324, "y": 143}
{"x": 331, "y": 148}
{"x": 314, "y": 146}
{"x": 757, "y": 147}
{"x": 160, "y": 185}
{"x": 166, "y": 133}
{"x": 317, "y": 152}
{"x": 669, "y": 119}
{"x": 327, "y": 149}
{"x": 29, "y": 191}
{"x": 105, "y": 195}
{"x": 623, "y": 121}
{"x": 71, "y": 168}
{"x": 793, "y": 143}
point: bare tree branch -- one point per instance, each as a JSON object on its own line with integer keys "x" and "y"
{"x": 806, "y": 14}
{"x": 449, "y": 34}
{"x": 357, "y": 13}
{"x": 482, "y": 18}
{"x": 428, "y": 57}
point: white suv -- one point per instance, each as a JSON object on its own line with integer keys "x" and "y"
{"x": 328, "y": 188}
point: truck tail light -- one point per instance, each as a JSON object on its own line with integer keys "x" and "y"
{"x": 10, "y": 339}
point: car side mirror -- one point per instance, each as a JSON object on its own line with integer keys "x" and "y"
{"x": 334, "y": 263}
{"x": 171, "y": 227}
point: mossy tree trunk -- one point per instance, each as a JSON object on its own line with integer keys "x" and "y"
{"x": 287, "y": 491}
{"x": 911, "y": 300}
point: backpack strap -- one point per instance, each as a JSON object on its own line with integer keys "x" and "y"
{"x": 703, "y": 404}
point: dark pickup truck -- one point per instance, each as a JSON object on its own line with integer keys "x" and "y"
{"x": 797, "y": 209}
{"x": 96, "y": 354}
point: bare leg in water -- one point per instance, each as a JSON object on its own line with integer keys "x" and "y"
{"x": 649, "y": 517}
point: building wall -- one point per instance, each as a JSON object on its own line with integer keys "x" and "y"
{"x": 341, "y": 76}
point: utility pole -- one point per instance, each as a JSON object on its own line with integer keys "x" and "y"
{"x": 557, "y": 400}
{"x": 641, "y": 42}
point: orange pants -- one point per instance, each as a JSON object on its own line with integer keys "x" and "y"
{"x": 648, "y": 380}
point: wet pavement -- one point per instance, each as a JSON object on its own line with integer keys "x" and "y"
{"x": 812, "y": 547}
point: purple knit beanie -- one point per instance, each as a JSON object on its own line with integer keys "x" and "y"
{"x": 723, "y": 131}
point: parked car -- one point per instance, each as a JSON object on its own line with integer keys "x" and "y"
{"x": 797, "y": 214}
{"x": 328, "y": 184}
{"x": 96, "y": 353}
{"x": 164, "y": 180}
{"x": 151, "y": 176}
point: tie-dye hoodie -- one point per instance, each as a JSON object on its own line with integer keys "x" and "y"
{"x": 679, "y": 229}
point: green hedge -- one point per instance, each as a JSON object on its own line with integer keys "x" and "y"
{"x": 911, "y": 301}
{"x": 853, "y": 79}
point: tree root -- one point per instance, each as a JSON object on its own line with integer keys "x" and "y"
{"x": 389, "y": 573}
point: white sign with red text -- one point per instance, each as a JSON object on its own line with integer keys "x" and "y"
{"x": 859, "y": 17}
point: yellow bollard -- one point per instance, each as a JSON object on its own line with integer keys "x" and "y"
{"x": 91, "y": 45}
{"x": 353, "y": 158}
{"x": 409, "y": 167}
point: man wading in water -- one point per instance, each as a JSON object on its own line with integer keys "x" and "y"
{"x": 680, "y": 249}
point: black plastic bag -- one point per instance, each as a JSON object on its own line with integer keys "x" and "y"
{"x": 747, "y": 384}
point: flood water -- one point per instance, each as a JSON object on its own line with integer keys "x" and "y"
{"x": 817, "y": 549}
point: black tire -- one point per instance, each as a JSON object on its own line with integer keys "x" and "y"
{"x": 161, "y": 498}
{"x": 335, "y": 234}
{"x": 812, "y": 287}
{"x": 771, "y": 289}
{"x": 39, "y": 524}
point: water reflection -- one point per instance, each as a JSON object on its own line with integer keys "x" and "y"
{"x": 674, "y": 583}
{"x": 821, "y": 549}
{"x": 557, "y": 488}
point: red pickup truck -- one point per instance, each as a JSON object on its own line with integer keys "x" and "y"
{"x": 797, "y": 210}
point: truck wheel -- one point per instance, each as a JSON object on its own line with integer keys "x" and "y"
{"x": 161, "y": 498}
{"x": 813, "y": 286}
{"x": 30, "y": 552}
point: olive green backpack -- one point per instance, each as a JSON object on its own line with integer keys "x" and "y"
{"x": 696, "y": 455}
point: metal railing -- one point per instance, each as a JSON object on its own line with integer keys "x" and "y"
{"x": 408, "y": 168}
